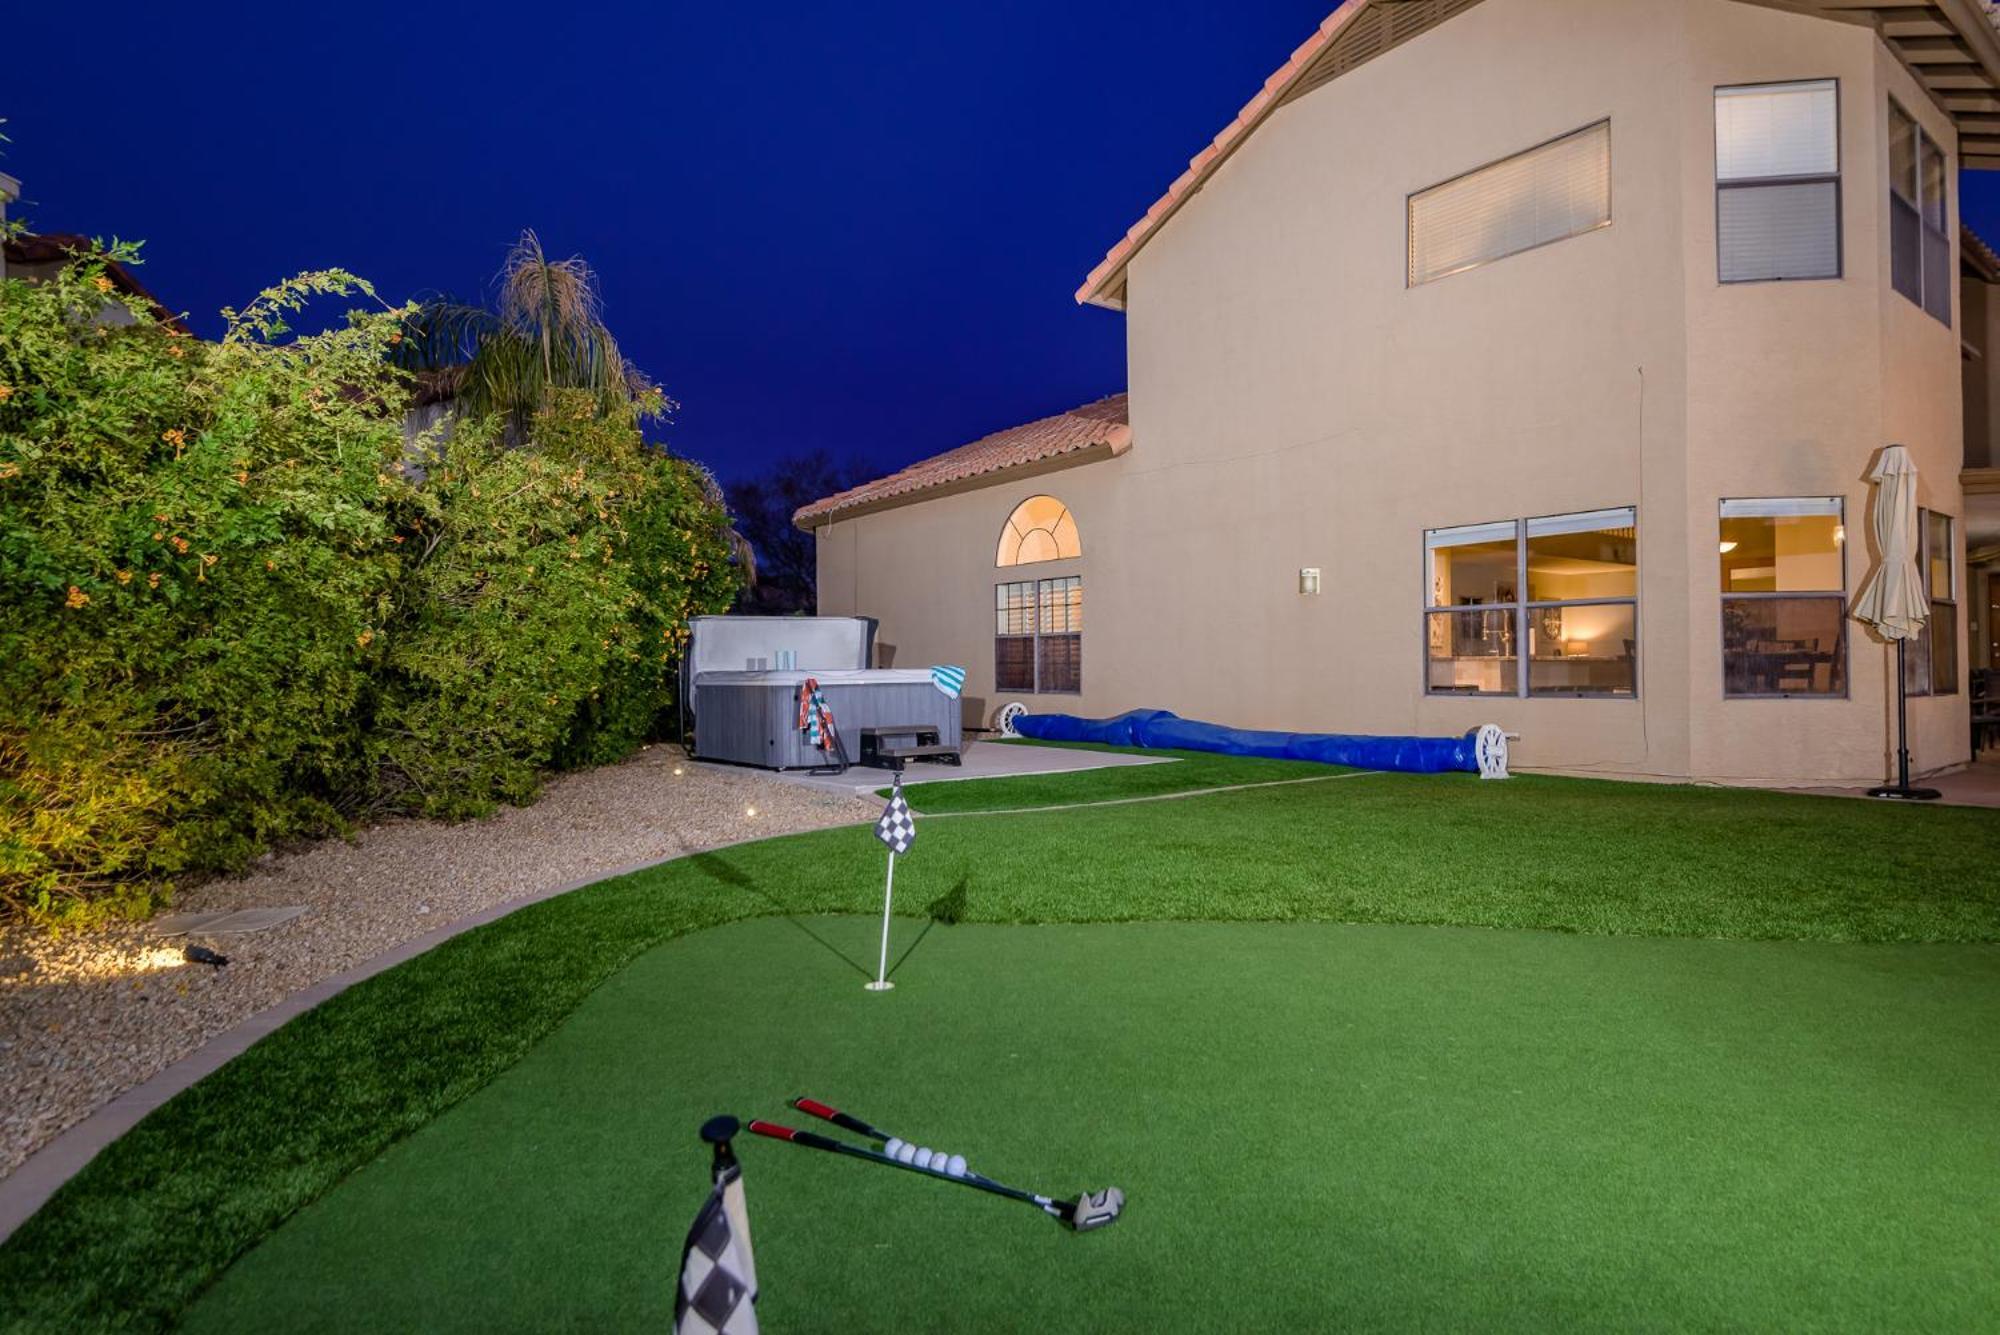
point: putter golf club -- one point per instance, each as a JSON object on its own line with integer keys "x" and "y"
{"x": 1088, "y": 1210}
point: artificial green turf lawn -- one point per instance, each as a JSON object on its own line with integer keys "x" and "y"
{"x": 159, "y": 1215}
{"x": 1176, "y": 772}
{"x": 1319, "y": 1127}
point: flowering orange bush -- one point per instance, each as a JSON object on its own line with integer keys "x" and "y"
{"x": 236, "y": 604}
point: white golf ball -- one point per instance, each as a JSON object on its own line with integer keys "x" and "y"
{"x": 894, "y": 1148}
{"x": 907, "y": 1153}
{"x": 956, "y": 1165}
{"x": 924, "y": 1157}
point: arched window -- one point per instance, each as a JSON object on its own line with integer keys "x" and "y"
{"x": 1040, "y": 529}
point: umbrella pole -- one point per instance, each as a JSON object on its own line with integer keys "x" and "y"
{"x": 1902, "y": 787}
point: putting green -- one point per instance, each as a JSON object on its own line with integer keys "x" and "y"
{"x": 1317, "y": 1125}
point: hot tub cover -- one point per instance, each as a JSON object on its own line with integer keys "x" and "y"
{"x": 796, "y": 677}
{"x": 1158, "y": 729}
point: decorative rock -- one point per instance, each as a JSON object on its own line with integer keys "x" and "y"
{"x": 75, "y": 1032}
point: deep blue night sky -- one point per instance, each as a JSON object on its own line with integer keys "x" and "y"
{"x": 855, "y": 227}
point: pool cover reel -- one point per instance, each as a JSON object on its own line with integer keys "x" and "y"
{"x": 1157, "y": 729}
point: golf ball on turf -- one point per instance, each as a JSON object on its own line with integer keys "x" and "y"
{"x": 956, "y": 1165}
{"x": 894, "y": 1148}
{"x": 907, "y": 1154}
{"x": 924, "y": 1157}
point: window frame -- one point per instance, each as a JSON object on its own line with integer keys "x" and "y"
{"x": 1521, "y": 608}
{"x": 1066, "y": 514}
{"x": 1411, "y": 281}
{"x": 1925, "y": 645}
{"x": 1944, "y": 233}
{"x": 1768, "y": 182}
{"x": 1039, "y": 589}
{"x": 1838, "y": 597}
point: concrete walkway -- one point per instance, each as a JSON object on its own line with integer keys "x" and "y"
{"x": 982, "y": 760}
{"x": 1977, "y": 785}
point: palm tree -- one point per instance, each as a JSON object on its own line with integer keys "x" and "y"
{"x": 545, "y": 333}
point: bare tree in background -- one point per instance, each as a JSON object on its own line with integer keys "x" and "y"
{"x": 763, "y": 507}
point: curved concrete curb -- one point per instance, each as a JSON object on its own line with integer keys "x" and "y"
{"x": 29, "y": 1187}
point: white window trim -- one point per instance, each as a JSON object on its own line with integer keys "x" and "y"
{"x": 1783, "y": 507}
{"x": 1751, "y": 183}
{"x": 1923, "y": 227}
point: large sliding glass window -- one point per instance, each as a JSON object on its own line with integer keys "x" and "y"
{"x": 1784, "y": 597}
{"x": 1777, "y": 181}
{"x": 1038, "y": 635}
{"x": 1560, "y": 592}
{"x": 1919, "y": 237}
{"x": 1559, "y": 190}
{"x": 1930, "y": 665}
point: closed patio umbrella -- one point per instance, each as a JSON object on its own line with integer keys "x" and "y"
{"x": 1893, "y": 600}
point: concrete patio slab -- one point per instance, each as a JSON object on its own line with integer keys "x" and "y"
{"x": 982, "y": 760}
{"x": 1977, "y": 785}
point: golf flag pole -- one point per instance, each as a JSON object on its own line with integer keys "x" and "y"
{"x": 882, "y": 983}
{"x": 898, "y": 829}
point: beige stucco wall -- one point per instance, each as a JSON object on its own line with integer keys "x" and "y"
{"x": 926, "y": 571}
{"x": 1295, "y": 404}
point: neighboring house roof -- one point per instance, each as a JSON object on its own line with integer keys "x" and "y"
{"x": 59, "y": 247}
{"x": 1973, "y": 252}
{"x": 1951, "y": 45}
{"x": 441, "y": 384}
{"x": 1094, "y": 431}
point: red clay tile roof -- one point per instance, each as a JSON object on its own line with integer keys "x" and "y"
{"x": 1101, "y": 428}
{"x": 1097, "y": 287}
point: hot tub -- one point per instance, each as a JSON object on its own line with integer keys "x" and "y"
{"x": 746, "y": 707}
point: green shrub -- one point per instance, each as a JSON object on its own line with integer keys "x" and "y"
{"x": 542, "y": 621}
{"x": 228, "y": 615}
{"x": 679, "y": 564}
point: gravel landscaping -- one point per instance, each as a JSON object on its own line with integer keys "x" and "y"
{"x": 85, "y": 1017}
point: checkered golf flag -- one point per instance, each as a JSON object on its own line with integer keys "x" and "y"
{"x": 718, "y": 1292}
{"x": 897, "y": 828}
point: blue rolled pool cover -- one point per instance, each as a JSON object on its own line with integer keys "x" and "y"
{"x": 1157, "y": 729}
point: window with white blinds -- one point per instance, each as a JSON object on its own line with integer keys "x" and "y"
{"x": 1920, "y": 264}
{"x": 1550, "y": 193}
{"x": 1777, "y": 181}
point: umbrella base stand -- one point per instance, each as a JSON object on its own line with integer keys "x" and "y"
{"x": 1900, "y": 792}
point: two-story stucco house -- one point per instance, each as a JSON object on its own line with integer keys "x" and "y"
{"x": 1514, "y": 361}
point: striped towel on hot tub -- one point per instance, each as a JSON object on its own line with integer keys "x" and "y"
{"x": 950, "y": 680}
